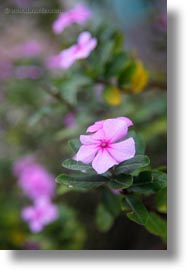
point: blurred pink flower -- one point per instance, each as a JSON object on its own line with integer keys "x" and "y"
{"x": 85, "y": 45}
{"x": 28, "y": 49}
{"x": 41, "y": 214}
{"x": 21, "y": 164}
{"x": 5, "y": 69}
{"x": 103, "y": 149}
{"x": 69, "y": 120}
{"x": 27, "y": 72}
{"x": 36, "y": 182}
{"x": 80, "y": 14}
{"x": 99, "y": 124}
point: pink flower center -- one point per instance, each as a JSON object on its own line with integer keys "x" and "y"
{"x": 104, "y": 144}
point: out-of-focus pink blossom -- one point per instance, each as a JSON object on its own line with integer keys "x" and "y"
{"x": 28, "y": 72}
{"x": 36, "y": 182}
{"x": 80, "y": 14}
{"x": 99, "y": 124}
{"x": 69, "y": 120}
{"x": 28, "y": 49}
{"x": 5, "y": 69}
{"x": 41, "y": 214}
{"x": 103, "y": 148}
{"x": 20, "y": 165}
{"x": 85, "y": 45}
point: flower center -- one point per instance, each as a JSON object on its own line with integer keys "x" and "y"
{"x": 104, "y": 144}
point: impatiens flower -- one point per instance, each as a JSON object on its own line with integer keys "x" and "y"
{"x": 104, "y": 148}
{"x": 85, "y": 45}
{"x": 80, "y": 14}
{"x": 38, "y": 216}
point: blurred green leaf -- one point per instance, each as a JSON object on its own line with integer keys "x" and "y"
{"x": 112, "y": 202}
{"x": 132, "y": 164}
{"x": 157, "y": 225}
{"x": 104, "y": 219}
{"x": 75, "y": 144}
{"x": 161, "y": 200}
{"x": 114, "y": 66}
{"x": 139, "y": 213}
{"x": 126, "y": 74}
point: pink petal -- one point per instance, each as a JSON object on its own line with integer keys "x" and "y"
{"x": 123, "y": 150}
{"x": 103, "y": 161}
{"x": 115, "y": 129}
{"x": 87, "y": 139}
{"x": 86, "y": 153}
{"x": 84, "y": 37}
{"x": 36, "y": 226}
{"x": 96, "y": 126}
{"x": 127, "y": 120}
{"x": 27, "y": 213}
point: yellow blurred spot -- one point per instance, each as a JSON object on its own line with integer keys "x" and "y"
{"x": 112, "y": 95}
{"x": 140, "y": 78}
{"x": 17, "y": 237}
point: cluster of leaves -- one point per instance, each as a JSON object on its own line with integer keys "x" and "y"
{"x": 128, "y": 188}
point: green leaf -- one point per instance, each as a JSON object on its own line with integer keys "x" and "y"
{"x": 161, "y": 200}
{"x": 77, "y": 166}
{"x": 126, "y": 74}
{"x": 157, "y": 225}
{"x": 132, "y": 164}
{"x": 104, "y": 219}
{"x": 81, "y": 180}
{"x": 70, "y": 87}
{"x": 116, "y": 64}
{"x": 121, "y": 182}
{"x": 159, "y": 178}
{"x": 139, "y": 213}
{"x": 75, "y": 145}
{"x": 149, "y": 182}
{"x": 112, "y": 202}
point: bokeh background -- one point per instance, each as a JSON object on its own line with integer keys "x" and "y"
{"x": 34, "y": 122}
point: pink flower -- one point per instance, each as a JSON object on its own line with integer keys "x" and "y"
{"x": 80, "y": 14}
{"x": 103, "y": 148}
{"x": 36, "y": 182}
{"x": 85, "y": 45}
{"x": 28, "y": 49}
{"x": 22, "y": 164}
{"x": 99, "y": 124}
{"x": 38, "y": 216}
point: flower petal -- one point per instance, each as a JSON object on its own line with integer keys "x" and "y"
{"x": 96, "y": 126}
{"x": 86, "y": 153}
{"x": 84, "y": 37}
{"x": 87, "y": 139}
{"x": 127, "y": 120}
{"x": 103, "y": 161}
{"x": 115, "y": 129}
{"x": 123, "y": 150}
